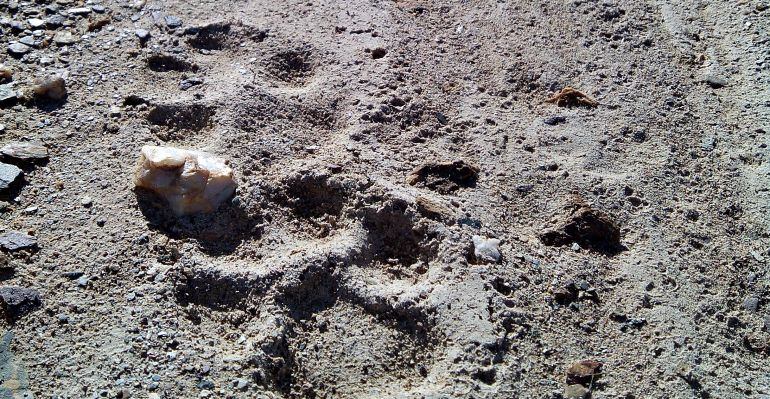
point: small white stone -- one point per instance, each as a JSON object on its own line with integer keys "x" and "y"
{"x": 35, "y": 23}
{"x": 79, "y": 11}
{"x": 486, "y": 249}
{"x": 191, "y": 181}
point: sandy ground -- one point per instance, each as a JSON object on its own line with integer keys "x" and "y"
{"x": 371, "y": 141}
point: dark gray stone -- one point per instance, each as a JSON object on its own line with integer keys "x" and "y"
{"x": 54, "y": 21}
{"x": 715, "y": 81}
{"x": 19, "y": 301}
{"x": 751, "y": 304}
{"x": 554, "y": 120}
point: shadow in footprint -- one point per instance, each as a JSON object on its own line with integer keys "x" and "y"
{"x": 294, "y": 66}
{"x": 397, "y": 243}
{"x": 168, "y": 63}
{"x": 223, "y": 35}
{"x": 217, "y": 233}
{"x": 179, "y": 122}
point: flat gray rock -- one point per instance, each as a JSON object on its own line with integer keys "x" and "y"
{"x": 16, "y": 240}
{"x": 28, "y": 152}
{"x": 8, "y": 174}
{"x": 7, "y": 94}
{"x": 17, "y": 48}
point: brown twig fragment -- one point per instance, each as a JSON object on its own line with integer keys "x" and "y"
{"x": 571, "y": 97}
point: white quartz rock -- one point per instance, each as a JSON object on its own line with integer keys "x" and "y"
{"x": 191, "y": 181}
{"x": 486, "y": 249}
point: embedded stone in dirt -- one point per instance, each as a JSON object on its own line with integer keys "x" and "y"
{"x": 16, "y": 240}
{"x": 588, "y": 228}
{"x": 191, "y": 181}
{"x": 486, "y": 250}
{"x": 18, "y": 301}
{"x": 25, "y": 152}
{"x": 584, "y": 372}
{"x": 50, "y": 87}
{"x": 445, "y": 177}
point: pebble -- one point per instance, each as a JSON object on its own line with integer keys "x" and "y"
{"x": 708, "y": 144}
{"x": 172, "y": 21}
{"x": 7, "y": 94}
{"x": 82, "y": 281}
{"x": 241, "y": 384}
{"x": 18, "y": 49}
{"x": 554, "y": 120}
{"x": 8, "y": 175}
{"x": 486, "y": 249}
{"x": 35, "y": 23}
{"x": 26, "y": 152}
{"x": 188, "y": 83}
{"x": 751, "y": 304}
{"x": 715, "y": 81}
{"x": 142, "y": 34}
{"x": 79, "y": 11}
{"x": 16, "y": 240}
{"x": 28, "y": 41}
{"x": 86, "y": 201}
{"x": 72, "y": 275}
{"x": 54, "y": 21}
{"x": 65, "y": 38}
{"x": 51, "y": 87}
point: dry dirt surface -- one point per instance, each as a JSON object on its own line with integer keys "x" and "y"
{"x": 436, "y": 199}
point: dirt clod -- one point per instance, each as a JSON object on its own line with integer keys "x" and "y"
{"x": 445, "y": 177}
{"x": 584, "y": 372}
{"x": 588, "y": 228}
{"x": 570, "y": 97}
